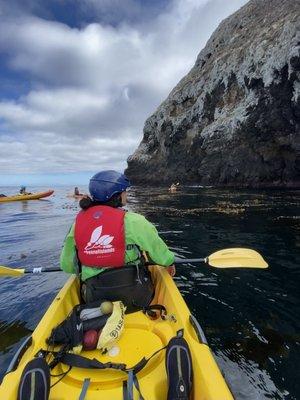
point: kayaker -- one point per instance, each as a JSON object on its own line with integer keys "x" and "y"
{"x": 23, "y": 190}
{"x": 105, "y": 245}
{"x": 173, "y": 187}
{"x": 76, "y": 191}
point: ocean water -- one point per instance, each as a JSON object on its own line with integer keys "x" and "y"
{"x": 250, "y": 317}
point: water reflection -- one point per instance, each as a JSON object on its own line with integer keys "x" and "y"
{"x": 24, "y": 206}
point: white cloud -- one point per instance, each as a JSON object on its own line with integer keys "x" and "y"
{"x": 94, "y": 87}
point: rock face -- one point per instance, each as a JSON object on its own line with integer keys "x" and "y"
{"x": 234, "y": 119}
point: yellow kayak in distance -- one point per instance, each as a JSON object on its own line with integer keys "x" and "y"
{"x": 25, "y": 197}
{"x": 141, "y": 337}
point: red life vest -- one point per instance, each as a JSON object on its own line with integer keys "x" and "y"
{"x": 100, "y": 237}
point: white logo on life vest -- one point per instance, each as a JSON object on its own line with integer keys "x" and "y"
{"x": 99, "y": 244}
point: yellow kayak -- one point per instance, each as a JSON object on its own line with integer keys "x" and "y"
{"x": 23, "y": 197}
{"x": 77, "y": 196}
{"x": 141, "y": 337}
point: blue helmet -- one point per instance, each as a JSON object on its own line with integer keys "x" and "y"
{"x": 107, "y": 183}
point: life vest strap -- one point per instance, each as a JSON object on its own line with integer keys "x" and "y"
{"x": 78, "y": 361}
{"x": 85, "y": 386}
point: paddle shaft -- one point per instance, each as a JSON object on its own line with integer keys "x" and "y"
{"x": 226, "y": 258}
{"x": 189, "y": 260}
{"x": 39, "y": 270}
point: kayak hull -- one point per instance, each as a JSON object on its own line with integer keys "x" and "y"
{"x": 76, "y": 196}
{"x": 25, "y": 197}
{"x": 141, "y": 337}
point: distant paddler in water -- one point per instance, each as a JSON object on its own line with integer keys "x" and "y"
{"x": 173, "y": 188}
{"x": 77, "y": 194}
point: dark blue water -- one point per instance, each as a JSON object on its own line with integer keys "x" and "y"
{"x": 250, "y": 317}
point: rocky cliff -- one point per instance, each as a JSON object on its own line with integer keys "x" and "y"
{"x": 234, "y": 119}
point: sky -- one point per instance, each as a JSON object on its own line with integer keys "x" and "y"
{"x": 78, "y": 79}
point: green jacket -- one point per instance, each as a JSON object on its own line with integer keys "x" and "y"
{"x": 138, "y": 231}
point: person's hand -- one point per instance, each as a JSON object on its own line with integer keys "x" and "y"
{"x": 171, "y": 270}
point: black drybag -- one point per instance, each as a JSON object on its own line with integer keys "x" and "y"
{"x": 71, "y": 330}
{"x": 35, "y": 381}
{"x": 179, "y": 368}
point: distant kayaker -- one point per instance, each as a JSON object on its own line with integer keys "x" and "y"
{"x": 23, "y": 190}
{"x": 76, "y": 191}
{"x": 173, "y": 187}
{"x": 108, "y": 242}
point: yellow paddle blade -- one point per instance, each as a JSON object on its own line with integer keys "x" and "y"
{"x": 236, "y": 258}
{"x": 6, "y": 271}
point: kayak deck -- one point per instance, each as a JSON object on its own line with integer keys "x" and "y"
{"x": 141, "y": 337}
{"x": 24, "y": 197}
